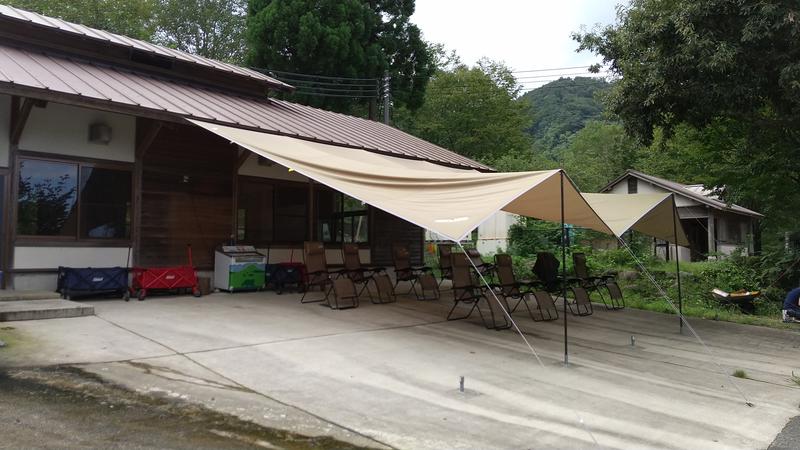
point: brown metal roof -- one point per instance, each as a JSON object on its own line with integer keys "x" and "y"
{"x": 8, "y": 12}
{"x": 71, "y": 80}
{"x": 689, "y": 191}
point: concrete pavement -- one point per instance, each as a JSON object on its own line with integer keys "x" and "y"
{"x": 387, "y": 375}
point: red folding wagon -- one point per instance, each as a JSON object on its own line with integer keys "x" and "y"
{"x": 178, "y": 278}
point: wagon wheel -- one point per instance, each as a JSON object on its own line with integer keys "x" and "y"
{"x": 196, "y": 292}
{"x": 142, "y": 294}
{"x": 126, "y": 295}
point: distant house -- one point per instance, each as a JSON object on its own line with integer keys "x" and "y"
{"x": 712, "y": 226}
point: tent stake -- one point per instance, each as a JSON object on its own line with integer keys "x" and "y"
{"x": 564, "y": 270}
{"x": 677, "y": 263}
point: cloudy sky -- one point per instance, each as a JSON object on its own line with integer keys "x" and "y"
{"x": 526, "y": 34}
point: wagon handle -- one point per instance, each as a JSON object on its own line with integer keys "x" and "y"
{"x": 189, "y": 252}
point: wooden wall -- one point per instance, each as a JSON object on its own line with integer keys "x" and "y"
{"x": 388, "y": 229}
{"x": 187, "y": 196}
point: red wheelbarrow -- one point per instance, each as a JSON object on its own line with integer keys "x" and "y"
{"x": 179, "y": 278}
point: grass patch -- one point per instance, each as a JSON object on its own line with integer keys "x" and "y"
{"x": 795, "y": 378}
{"x": 739, "y": 373}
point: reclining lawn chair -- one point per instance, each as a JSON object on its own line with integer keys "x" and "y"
{"x": 445, "y": 262}
{"x": 546, "y": 270}
{"x": 545, "y": 306}
{"x": 507, "y": 283}
{"x": 360, "y": 275}
{"x": 468, "y": 291}
{"x": 592, "y": 283}
{"x": 415, "y": 275}
{"x": 523, "y": 291}
{"x": 317, "y": 271}
{"x": 484, "y": 268}
{"x": 615, "y": 295}
{"x": 581, "y": 304}
{"x": 345, "y": 294}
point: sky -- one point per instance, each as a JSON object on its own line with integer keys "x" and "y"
{"x": 525, "y": 34}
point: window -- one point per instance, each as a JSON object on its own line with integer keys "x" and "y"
{"x": 341, "y": 218}
{"x": 633, "y": 185}
{"x": 52, "y": 193}
{"x": 105, "y": 203}
{"x": 268, "y": 212}
{"x": 48, "y": 195}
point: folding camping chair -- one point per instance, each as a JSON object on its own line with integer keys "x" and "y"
{"x": 581, "y": 302}
{"x": 355, "y": 271}
{"x": 546, "y": 270}
{"x": 422, "y": 275}
{"x": 484, "y": 268}
{"x": 344, "y": 290}
{"x": 507, "y": 284}
{"x": 592, "y": 283}
{"x": 445, "y": 262}
{"x": 317, "y": 271}
{"x": 615, "y": 295}
{"x": 468, "y": 291}
{"x": 545, "y": 306}
{"x": 522, "y": 291}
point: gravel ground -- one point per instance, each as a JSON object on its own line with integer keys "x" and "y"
{"x": 67, "y": 408}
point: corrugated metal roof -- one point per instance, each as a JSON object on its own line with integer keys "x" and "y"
{"x": 124, "y": 41}
{"x": 80, "y": 79}
{"x": 693, "y": 191}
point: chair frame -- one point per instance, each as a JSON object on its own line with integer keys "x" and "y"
{"x": 355, "y": 271}
{"x": 467, "y": 291}
{"x": 593, "y": 283}
{"x": 580, "y": 306}
{"x": 404, "y": 271}
{"x": 317, "y": 272}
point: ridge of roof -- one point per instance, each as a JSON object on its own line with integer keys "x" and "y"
{"x": 682, "y": 189}
{"x": 94, "y": 34}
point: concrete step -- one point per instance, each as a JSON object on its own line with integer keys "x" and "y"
{"x": 43, "y": 309}
{"x": 9, "y": 295}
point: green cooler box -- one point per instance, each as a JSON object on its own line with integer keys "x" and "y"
{"x": 239, "y": 268}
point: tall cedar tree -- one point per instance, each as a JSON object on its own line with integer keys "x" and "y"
{"x": 342, "y": 38}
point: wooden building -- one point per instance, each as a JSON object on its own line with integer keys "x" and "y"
{"x": 98, "y": 166}
{"x": 714, "y": 228}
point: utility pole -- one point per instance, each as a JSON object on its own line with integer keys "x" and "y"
{"x": 387, "y": 98}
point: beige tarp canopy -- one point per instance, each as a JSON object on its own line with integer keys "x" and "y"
{"x": 447, "y": 201}
{"x": 651, "y": 214}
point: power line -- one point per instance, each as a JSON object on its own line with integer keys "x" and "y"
{"x": 550, "y": 70}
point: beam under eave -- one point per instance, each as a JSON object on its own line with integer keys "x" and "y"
{"x": 147, "y": 140}
{"x": 20, "y": 119}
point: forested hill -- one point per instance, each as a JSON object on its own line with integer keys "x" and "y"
{"x": 562, "y": 107}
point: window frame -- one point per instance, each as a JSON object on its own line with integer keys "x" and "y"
{"x": 76, "y": 240}
{"x": 633, "y": 185}
{"x": 341, "y": 215}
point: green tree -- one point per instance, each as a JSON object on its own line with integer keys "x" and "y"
{"x": 728, "y": 69}
{"x": 134, "y": 18}
{"x": 343, "y": 38}
{"x": 475, "y": 112}
{"x": 598, "y": 153}
{"x": 211, "y": 28}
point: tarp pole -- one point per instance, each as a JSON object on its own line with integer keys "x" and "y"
{"x": 677, "y": 263}
{"x": 564, "y": 270}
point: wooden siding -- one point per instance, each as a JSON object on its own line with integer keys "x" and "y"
{"x": 176, "y": 211}
{"x": 388, "y": 229}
